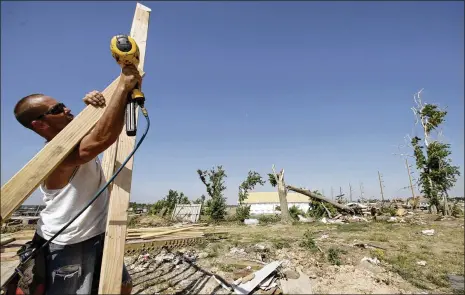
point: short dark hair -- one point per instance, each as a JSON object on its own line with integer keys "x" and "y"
{"x": 25, "y": 112}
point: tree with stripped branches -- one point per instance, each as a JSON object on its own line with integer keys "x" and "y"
{"x": 276, "y": 179}
{"x": 437, "y": 174}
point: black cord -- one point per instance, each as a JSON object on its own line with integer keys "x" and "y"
{"x": 36, "y": 250}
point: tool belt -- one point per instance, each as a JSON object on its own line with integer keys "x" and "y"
{"x": 29, "y": 279}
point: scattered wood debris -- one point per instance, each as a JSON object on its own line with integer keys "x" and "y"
{"x": 259, "y": 277}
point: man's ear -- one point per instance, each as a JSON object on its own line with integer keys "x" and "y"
{"x": 38, "y": 125}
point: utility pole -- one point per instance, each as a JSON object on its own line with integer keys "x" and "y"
{"x": 381, "y": 187}
{"x": 361, "y": 191}
{"x": 332, "y": 194}
{"x": 350, "y": 192}
{"x": 340, "y": 195}
{"x": 410, "y": 179}
{"x": 322, "y": 192}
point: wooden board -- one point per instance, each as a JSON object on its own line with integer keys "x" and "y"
{"x": 246, "y": 288}
{"x": 24, "y": 182}
{"x": 6, "y": 240}
{"x": 168, "y": 232}
{"x": 113, "y": 253}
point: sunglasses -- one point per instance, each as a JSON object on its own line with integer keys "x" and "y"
{"x": 55, "y": 110}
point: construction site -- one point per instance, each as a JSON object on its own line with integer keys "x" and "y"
{"x": 291, "y": 239}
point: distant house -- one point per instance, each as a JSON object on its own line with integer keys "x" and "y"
{"x": 266, "y": 202}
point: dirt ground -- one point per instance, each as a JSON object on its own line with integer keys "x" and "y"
{"x": 403, "y": 259}
{"x": 408, "y": 262}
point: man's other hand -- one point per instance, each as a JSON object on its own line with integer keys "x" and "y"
{"x": 94, "y": 98}
{"x": 129, "y": 77}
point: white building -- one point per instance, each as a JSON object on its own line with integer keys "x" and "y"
{"x": 266, "y": 202}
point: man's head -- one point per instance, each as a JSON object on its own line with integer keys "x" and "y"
{"x": 42, "y": 114}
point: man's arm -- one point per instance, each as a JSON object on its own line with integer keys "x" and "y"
{"x": 109, "y": 126}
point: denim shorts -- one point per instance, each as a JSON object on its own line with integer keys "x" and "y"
{"x": 75, "y": 268}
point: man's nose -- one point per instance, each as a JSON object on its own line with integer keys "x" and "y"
{"x": 67, "y": 111}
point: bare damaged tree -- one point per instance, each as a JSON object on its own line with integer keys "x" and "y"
{"x": 278, "y": 180}
{"x": 437, "y": 174}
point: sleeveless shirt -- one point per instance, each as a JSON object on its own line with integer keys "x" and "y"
{"x": 64, "y": 204}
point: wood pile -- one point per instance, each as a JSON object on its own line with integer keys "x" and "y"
{"x": 183, "y": 231}
{"x": 180, "y": 234}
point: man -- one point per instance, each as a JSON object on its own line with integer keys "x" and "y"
{"x": 73, "y": 260}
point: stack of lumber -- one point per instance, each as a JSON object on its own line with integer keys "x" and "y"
{"x": 136, "y": 238}
{"x": 153, "y": 233}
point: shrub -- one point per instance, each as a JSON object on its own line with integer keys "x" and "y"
{"x": 308, "y": 242}
{"x": 265, "y": 219}
{"x": 333, "y": 255}
{"x": 294, "y": 212}
{"x": 242, "y": 213}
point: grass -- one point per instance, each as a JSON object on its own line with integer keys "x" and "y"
{"x": 281, "y": 243}
{"x": 226, "y": 267}
{"x": 334, "y": 255}
{"x": 379, "y": 237}
{"x": 214, "y": 249}
{"x": 404, "y": 244}
{"x": 308, "y": 242}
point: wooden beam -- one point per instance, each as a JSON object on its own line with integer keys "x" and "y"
{"x": 24, "y": 182}
{"x": 115, "y": 237}
{"x": 152, "y": 235}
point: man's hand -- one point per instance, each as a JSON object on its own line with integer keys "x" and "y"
{"x": 110, "y": 124}
{"x": 94, "y": 98}
{"x": 129, "y": 77}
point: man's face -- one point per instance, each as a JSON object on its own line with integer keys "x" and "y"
{"x": 55, "y": 115}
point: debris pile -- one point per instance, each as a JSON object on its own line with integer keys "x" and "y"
{"x": 178, "y": 272}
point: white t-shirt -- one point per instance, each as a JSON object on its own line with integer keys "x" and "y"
{"x": 64, "y": 204}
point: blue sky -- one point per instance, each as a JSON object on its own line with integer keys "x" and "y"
{"x": 322, "y": 90}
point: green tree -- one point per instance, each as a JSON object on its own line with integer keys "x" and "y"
{"x": 318, "y": 209}
{"x": 214, "y": 183}
{"x": 201, "y": 201}
{"x": 437, "y": 174}
{"x": 169, "y": 202}
{"x": 157, "y": 207}
{"x": 133, "y": 205}
{"x": 253, "y": 179}
{"x": 182, "y": 199}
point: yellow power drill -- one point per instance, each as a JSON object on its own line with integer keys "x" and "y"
{"x": 126, "y": 52}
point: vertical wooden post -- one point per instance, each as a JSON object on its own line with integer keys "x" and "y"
{"x": 414, "y": 203}
{"x": 115, "y": 237}
{"x": 410, "y": 180}
{"x": 361, "y": 191}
